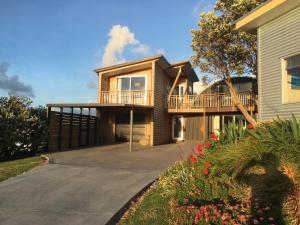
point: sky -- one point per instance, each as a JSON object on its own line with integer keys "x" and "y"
{"x": 49, "y": 49}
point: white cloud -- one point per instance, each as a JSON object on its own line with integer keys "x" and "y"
{"x": 141, "y": 49}
{"x": 120, "y": 37}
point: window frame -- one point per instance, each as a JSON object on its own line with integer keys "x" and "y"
{"x": 130, "y": 77}
{"x": 284, "y": 77}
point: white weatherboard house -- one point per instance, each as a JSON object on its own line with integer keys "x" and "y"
{"x": 277, "y": 25}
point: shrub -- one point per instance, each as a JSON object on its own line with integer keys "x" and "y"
{"x": 233, "y": 132}
{"x": 22, "y": 128}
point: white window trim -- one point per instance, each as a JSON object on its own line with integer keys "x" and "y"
{"x": 130, "y": 76}
{"x": 284, "y": 79}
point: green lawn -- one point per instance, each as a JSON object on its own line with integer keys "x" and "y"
{"x": 16, "y": 167}
{"x": 151, "y": 209}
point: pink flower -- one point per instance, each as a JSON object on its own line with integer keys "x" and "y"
{"x": 255, "y": 221}
{"x": 271, "y": 219}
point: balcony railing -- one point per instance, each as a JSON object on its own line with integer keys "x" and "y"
{"x": 209, "y": 102}
{"x": 125, "y": 97}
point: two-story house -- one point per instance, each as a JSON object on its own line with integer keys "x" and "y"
{"x": 277, "y": 25}
{"x": 150, "y": 101}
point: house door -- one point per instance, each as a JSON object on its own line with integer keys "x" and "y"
{"x": 177, "y": 127}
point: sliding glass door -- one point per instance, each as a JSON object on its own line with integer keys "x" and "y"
{"x": 132, "y": 89}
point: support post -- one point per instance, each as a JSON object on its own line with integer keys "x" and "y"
{"x": 80, "y": 126}
{"x": 60, "y": 129}
{"x": 131, "y": 130}
{"x": 96, "y": 127}
{"x": 48, "y": 124}
{"x": 88, "y": 128}
{"x": 174, "y": 84}
{"x": 71, "y": 128}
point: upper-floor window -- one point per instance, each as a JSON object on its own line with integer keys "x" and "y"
{"x": 131, "y": 83}
{"x": 291, "y": 79}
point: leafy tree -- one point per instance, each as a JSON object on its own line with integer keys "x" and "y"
{"x": 222, "y": 50}
{"x": 22, "y": 128}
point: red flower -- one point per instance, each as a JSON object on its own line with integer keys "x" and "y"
{"x": 207, "y": 164}
{"x": 208, "y": 145}
{"x": 205, "y": 171}
{"x": 250, "y": 126}
{"x": 214, "y": 136}
{"x": 200, "y": 147}
{"x": 193, "y": 159}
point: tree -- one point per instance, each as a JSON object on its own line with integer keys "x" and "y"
{"x": 23, "y": 129}
{"x": 223, "y": 51}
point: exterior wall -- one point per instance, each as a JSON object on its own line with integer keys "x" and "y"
{"x": 161, "y": 119}
{"x": 276, "y": 40}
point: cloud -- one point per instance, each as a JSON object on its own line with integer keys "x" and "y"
{"x": 141, "y": 49}
{"x": 92, "y": 85}
{"x": 203, "y": 6}
{"x": 12, "y": 84}
{"x": 119, "y": 38}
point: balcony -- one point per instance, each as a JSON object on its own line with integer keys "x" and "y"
{"x": 126, "y": 97}
{"x": 210, "y": 103}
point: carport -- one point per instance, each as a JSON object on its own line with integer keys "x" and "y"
{"x": 80, "y": 125}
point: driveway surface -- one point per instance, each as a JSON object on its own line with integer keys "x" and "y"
{"x": 86, "y": 186}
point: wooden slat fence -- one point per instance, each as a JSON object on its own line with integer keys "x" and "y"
{"x": 69, "y": 130}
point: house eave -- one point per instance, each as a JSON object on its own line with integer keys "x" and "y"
{"x": 264, "y": 14}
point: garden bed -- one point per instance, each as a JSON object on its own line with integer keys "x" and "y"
{"x": 245, "y": 176}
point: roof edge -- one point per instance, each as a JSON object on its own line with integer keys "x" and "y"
{"x": 129, "y": 63}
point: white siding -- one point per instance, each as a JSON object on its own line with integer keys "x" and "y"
{"x": 276, "y": 40}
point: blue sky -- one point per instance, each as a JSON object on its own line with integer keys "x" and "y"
{"x": 53, "y": 46}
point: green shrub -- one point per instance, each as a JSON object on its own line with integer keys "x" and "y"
{"x": 23, "y": 129}
{"x": 233, "y": 132}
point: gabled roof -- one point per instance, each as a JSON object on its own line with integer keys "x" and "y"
{"x": 170, "y": 69}
{"x": 129, "y": 63}
{"x": 265, "y": 13}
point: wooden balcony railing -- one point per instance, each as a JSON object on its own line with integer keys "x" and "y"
{"x": 209, "y": 102}
{"x": 126, "y": 97}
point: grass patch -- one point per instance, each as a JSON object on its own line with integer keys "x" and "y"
{"x": 148, "y": 210}
{"x": 16, "y": 167}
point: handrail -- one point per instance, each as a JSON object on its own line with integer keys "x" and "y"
{"x": 134, "y": 97}
{"x": 190, "y": 102}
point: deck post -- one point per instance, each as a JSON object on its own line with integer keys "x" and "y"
{"x": 48, "y": 124}
{"x": 96, "y": 127}
{"x": 71, "y": 128}
{"x": 88, "y": 128}
{"x": 80, "y": 126}
{"x": 60, "y": 128}
{"x": 131, "y": 130}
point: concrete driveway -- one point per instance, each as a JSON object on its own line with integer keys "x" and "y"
{"x": 87, "y": 186}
